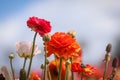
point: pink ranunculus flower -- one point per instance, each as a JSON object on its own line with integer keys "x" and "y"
{"x": 41, "y": 26}
{"x": 24, "y": 49}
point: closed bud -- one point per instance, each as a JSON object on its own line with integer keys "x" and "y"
{"x": 42, "y": 66}
{"x": 46, "y": 37}
{"x": 72, "y": 33}
{"x": 114, "y": 62}
{"x": 22, "y": 74}
{"x": 82, "y": 65}
{"x": 67, "y": 63}
{"x": 11, "y": 56}
{"x": 47, "y": 61}
{"x": 109, "y": 48}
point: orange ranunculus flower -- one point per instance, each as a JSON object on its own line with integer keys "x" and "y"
{"x": 53, "y": 69}
{"x": 63, "y": 45}
{"x": 34, "y": 76}
{"x": 78, "y": 59}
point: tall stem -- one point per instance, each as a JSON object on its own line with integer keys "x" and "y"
{"x": 72, "y": 74}
{"x": 60, "y": 69}
{"x": 12, "y": 69}
{"x": 49, "y": 74}
{"x": 106, "y": 65}
{"x": 45, "y": 63}
{"x": 56, "y": 63}
{"x": 24, "y": 63}
{"x": 66, "y": 74}
{"x": 31, "y": 54}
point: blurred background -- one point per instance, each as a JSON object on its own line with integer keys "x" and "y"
{"x": 96, "y": 22}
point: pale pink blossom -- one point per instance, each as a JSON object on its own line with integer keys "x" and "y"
{"x": 24, "y": 49}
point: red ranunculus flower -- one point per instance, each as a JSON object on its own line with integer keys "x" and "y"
{"x": 91, "y": 71}
{"x": 39, "y": 25}
{"x": 86, "y": 71}
{"x": 63, "y": 45}
{"x": 75, "y": 67}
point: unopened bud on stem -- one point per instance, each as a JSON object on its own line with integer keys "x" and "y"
{"x": 46, "y": 37}
{"x": 72, "y": 33}
{"x": 108, "y": 48}
{"x": 11, "y": 56}
{"x": 114, "y": 62}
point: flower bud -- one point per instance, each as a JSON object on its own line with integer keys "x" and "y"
{"x": 67, "y": 63}
{"x": 114, "y": 62}
{"x": 47, "y": 61}
{"x": 46, "y": 37}
{"x": 82, "y": 65}
{"x": 72, "y": 33}
{"x": 22, "y": 74}
{"x": 108, "y": 48}
{"x": 11, "y": 56}
{"x": 42, "y": 66}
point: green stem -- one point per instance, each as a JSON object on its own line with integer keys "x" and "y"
{"x": 49, "y": 74}
{"x": 31, "y": 54}
{"x": 42, "y": 74}
{"x": 113, "y": 74}
{"x": 60, "y": 69}
{"x": 12, "y": 69}
{"x": 45, "y": 64}
{"x": 56, "y": 63}
{"x": 106, "y": 66}
{"x": 66, "y": 74}
{"x": 25, "y": 59}
{"x": 72, "y": 74}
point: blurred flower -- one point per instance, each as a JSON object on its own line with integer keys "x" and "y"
{"x": 75, "y": 67}
{"x": 39, "y": 25}
{"x": 86, "y": 71}
{"x": 78, "y": 59}
{"x": 53, "y": 69}
{"x": 24, "y": 49}
{"x": 91, "y": 71}
{"x": 34, "y": 76}
{"x": 63, "y": 45}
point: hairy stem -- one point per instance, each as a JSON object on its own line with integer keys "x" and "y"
{"x": 45, "y": 63}
{"x": 60, "y": 69}
{"x": 25, "y": 59}
{"x": 12, "y": 69}
{"x": 31, "y": 54}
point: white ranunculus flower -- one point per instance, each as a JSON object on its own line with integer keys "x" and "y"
{"x": 24, "y": 49}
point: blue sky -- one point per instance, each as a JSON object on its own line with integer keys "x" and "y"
{"x": 95, "y": 22}
{"x": 9, "y": 7}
